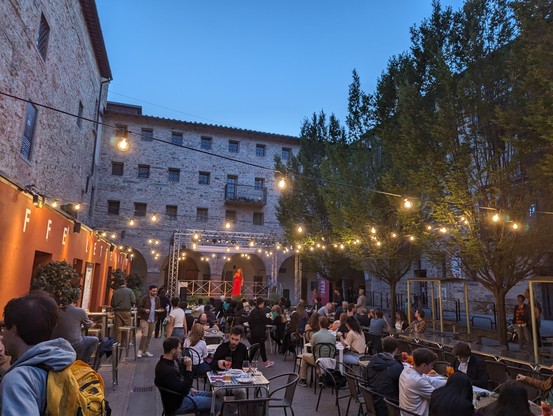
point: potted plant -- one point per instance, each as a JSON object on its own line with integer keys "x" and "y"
{"x": 60, "y": 279}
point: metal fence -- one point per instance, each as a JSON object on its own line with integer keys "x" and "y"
{"x": 216, "y": 288}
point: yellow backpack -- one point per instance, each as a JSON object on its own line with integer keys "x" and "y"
{"x": 76, "y": 390}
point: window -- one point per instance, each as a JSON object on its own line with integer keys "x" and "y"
{"x": 147, "y": 135}
{"x": 43, "y": 35}
{"x": 80, "y": 114}
{"x": 140, "y": 209}
{"x": 201, "y": 214}
{"x": 233, "y": 146}
{"x": 286, "y": 152}
{"x": 174, "y": 175}
{"x": 171, "y": 212}
{"x": 203, "y": 178}
{"x": 260, "y": 150}
{"x": 205, "y": 143}
{"x": 113, "y": 207}
{"x": 144, "y": 171}
{"x": 258, "y": 218}
{"x": 28, "y": 131}
{"x": 230, "y": 216}
{"x": 259, "y": 184}
{"x": 232, "y": 184}
{"x": 176, "y": 138}
{"x": 117, "y": 168}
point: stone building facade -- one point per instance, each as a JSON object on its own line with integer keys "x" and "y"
{"x": 192, "y": 176}
{"x": 52, "y": 53}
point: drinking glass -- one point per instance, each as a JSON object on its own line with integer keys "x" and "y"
{"x": 228, "y": 362}
{"x": 245, "y": 366}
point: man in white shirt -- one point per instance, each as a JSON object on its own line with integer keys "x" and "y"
{"x": 415, "y": 387}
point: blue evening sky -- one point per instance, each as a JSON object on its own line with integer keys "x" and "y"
{"x": 262, "y": 65}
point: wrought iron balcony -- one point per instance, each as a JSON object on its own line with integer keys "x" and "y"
{"x": 245, "y": 195}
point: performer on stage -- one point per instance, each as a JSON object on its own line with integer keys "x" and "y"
{"x": 238, "y": 283}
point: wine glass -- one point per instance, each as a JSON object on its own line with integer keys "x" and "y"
{"x": 245, "y": 366}
{"x": 253, "y": 366}
{"x": 228, "y": 362}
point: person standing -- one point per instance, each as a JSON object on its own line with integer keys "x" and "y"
{"x": 361, "y": 301}
{"x": 70, "y": 320}
{"x": 237, "y": 283}
{"x": 165, "y": 304}
{"x": 521, "y": 320}
{"x": 177, "y": 322}
{"x": 29, "y": 323}
{"x": 258, "y": 322}
{"x": 148, "y": 306}
{"x": 121, "y": 303}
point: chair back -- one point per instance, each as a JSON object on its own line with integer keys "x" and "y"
{"x": 253, "y": 352}
{"x": 164, "y": 392}
{"x": 324, "y": 350}
{"x": 193, "y": 355}
{"x": 395, "y": 410}
{"x": 440, "y": 367}
{"x": 368, "y": 399}
{"x": 251, "y": 407}
{"x": 289, "y": 388}
{"x": 498, "y": 372}
{"x": 307, "y": 335}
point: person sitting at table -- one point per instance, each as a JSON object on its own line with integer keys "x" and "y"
{"x": 340, "y": 323}
{"x": 418, "y": 326}
{"x": 512, "y": 401}
{"x": 545, "y": 386}
{"x": 455, "y": 398}
{"x": 363, "y": 318}
{"x": 473, "y": 367}
{"x": 322, "y": 336}
{"x": 401, "y": 323}
{"x": 326, "y": 310}
{"x": 240, "y": 314}
{"x": 279, "y": 322}
{"x": 195, "y": 341}
{"x": 382, "y": 375}
{"x": 354, "y": 340}
{"x": 200, "y": 308}
{"x": 352, "y": 310}
{"x": 341, "y": 308}
{"x": 379, "y": 324}
{"x": 210, "y": 315}
{"x": 311, "y": 327}
{"x": 415, "y": 389}
{"x": 176, "y": 375}
{"x": 233, "y": 348}
{"x": 205, "y": 322}
{"x": 71, "y": 320}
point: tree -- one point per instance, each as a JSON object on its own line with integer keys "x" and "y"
{"x": 134, "y": 281}
{"x": 60, "y": 279}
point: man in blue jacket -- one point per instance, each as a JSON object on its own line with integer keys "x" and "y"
{"x": 29, "y": 322}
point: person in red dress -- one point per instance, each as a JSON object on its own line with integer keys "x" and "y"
{"x": 238, "y": 282}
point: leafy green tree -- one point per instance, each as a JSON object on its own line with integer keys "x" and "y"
{"x": 60, "y": 279}
{"x": 134, "y": 281}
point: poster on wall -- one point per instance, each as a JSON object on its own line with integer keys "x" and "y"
{"x": 87, "y": 285}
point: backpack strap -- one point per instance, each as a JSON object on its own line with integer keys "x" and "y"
{"x": 46, "y": 368}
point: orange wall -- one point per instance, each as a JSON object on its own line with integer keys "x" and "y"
{"x": 25, "y": 229}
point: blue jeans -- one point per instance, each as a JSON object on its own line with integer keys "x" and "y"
{"x": 85, "y": 348}
{"x": 351, "y": 358}
{"x": 202, "y": 399}
{"x": 179, "y": 333}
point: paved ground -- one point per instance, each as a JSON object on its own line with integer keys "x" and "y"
{"x": 136, "y": 394}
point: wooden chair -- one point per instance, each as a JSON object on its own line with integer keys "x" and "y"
{"x": 395, "y": 410}
{"x": 284, "y": 402}
{"x": 163, "y": 392}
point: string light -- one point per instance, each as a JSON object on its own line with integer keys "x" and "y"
{"x": 131, "y": 222}
{"x": 123, "y": 144}
{"x": 282, "y": 184}
{"x": 495, "y": 218}
{"x": 154, "y": 218}
{"x": 300, "y": 229}
{"x": 407, "y": 203}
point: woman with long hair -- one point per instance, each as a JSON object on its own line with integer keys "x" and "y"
{"x": 455, "y": 398}
{"x": 512, "y": 401}
{"x": 195, "y": 341}
{"x": 237, "y": 283}
{"x": 279, "y": 322}
{"x": 354, "y": 341}
{"x": 401, "y": 323}
{"x": 177, "y": 322}
{"x": 311, "y": 327}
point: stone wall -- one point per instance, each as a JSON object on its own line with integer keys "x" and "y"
{"x": 62, "y": 150}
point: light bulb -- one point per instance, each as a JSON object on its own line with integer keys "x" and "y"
{"x": 281, "y": 184}
{"x": 495, "y": 218}
{"x": 407, "y": 204}
{"x": 123, "y": 144}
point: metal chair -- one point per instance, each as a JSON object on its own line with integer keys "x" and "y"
{"x": 395, "y": 410}
{"x": 251, "y": 407}
{"x": 498, "y": 373}
{"x": 253, "y": 352}
{"x": 195, "y": 357}
{"x": 163, "y": 392}
{"x": 353, "y": 384}
{"x": 321, "y": 350}
{"x": 368, "y": 400}
{"x": 289, "y": 389}
{"x": 328, "y": 379}
{"x": 440, "y": 367}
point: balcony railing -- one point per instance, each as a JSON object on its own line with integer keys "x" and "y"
{"x": 216, "y": 288}
{"x": 245, "y": 195}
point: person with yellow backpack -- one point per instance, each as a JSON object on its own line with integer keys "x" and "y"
{"x": 44, "y": 378}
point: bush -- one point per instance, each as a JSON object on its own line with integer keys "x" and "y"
{"x": 60, "y": 279}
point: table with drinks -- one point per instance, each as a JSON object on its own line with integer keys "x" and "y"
{"x": 246, "y": 378}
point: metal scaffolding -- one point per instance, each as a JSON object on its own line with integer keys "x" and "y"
{"x": 211, "y": 242}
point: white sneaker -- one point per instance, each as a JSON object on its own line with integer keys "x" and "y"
{"x": 139, "y": 354}
{"x": 148, "y": 354}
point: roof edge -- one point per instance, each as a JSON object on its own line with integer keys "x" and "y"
{"x": 92, "y": 20}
